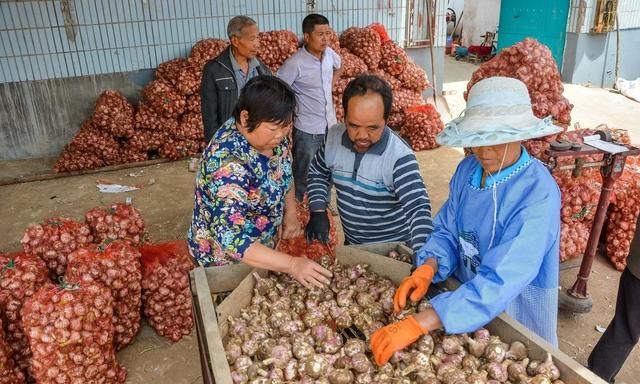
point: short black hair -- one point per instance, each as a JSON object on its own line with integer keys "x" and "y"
{"x": 310, "y": 22}
{"x": 267, "y": 99}
{"x": 369, "y": 83}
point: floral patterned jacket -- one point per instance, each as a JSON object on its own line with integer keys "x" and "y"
{"x": 239, "y": 197}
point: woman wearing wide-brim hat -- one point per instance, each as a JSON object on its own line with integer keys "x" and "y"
{"x": 498, "y": 233}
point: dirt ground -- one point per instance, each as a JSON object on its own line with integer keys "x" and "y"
{"x": 166, "y": 202}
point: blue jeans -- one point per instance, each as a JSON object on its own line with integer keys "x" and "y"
{"x": 305, "y": 146}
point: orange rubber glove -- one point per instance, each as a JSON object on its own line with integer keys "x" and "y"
{"x": 418, "y": 282}
{"x": 394, "y": 337}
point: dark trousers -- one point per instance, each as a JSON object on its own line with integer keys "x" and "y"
{"x": 623, "y": 332}
{"x": 305, "y": 146}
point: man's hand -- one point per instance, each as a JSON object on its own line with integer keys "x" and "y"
{"x": 394, "y": 337}
{"x": 418, "y": 282}
{"x": 318, "y": 227}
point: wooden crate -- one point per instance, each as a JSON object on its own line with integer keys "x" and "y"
{"x": 213, "y": 325}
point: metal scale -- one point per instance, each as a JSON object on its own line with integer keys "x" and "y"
{"x": 577, "y": 298}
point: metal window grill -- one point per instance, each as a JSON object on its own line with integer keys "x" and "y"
{"x": 420, "y": 28}
{"x": 48, "y": 39}
{"x": 605, "y": 16}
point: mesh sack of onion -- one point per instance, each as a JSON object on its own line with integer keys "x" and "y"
{"x": 116, "y": 265}
{"x": 316, "y": 249}
{"x": 70, "y": 333}
{"x": 118, "y": 221}
{"x": 422, "y": 124}
{"x": 276, "y": 47}
{"x": 113, "y": 113}
{"x": 21, "y": 275}
{"x": 622, "y": 218}
{"x": 163, "y": 97}
{"x": 205, "y": 50}
{"x": 533, "y": 64}
{"x": 166, "y": 296}
{"x": 10, "y": 373}
{"x": 54, "y": 240}
{"x": 364, "y": 43}
{"x": 170, "y": 70}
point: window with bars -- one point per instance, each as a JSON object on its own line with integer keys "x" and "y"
{"x": 605, "y": 19}
{"x": 420, "y": 29}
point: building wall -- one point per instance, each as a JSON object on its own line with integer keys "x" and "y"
{"x": 590, "y": 57}
{"x": 480, "y": 16}
{"x": 58, "y": 56}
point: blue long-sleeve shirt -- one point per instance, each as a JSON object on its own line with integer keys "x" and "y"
{"x": 519, "y": 273}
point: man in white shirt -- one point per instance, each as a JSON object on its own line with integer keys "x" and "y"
{"x": 311, "y": 72}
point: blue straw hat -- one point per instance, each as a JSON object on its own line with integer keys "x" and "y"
{"x": 498, "y": 112}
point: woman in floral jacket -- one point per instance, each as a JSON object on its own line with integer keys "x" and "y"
{"x": 244, "y": 188}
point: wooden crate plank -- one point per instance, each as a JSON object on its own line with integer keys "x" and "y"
{"x": 217, "y": 359}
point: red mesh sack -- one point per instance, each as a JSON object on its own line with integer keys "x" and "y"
{"x": 115, "y": 265}
{"x": 351, "y": 65}
{"x": 338, "y": 90}
{"x": 205, "y": 50}
{"x": 21, "y": 275}
{"x": 70, "y": 333}
{"x": 164, "y": 98}
{"x": 414, "y": 78}
{"x": 166, "y": 296}
{"x": 71, "y": 161}
{"x": 194, "y": 104}
{"x": 622, "y": 218}
{"x": 276, "y": 47}
{"x": 381, "y": 31}
{"x": 54, "y": 240}
{"x": 148, "y": 119}
{"x": 170, "y": 70}
{"x": 9, "y": 371}
{"x": 91, "y": 140}
{"x": 533, "y": 64}
{"x": 189, "y": 79}
{"x": 119, "y": 221}
{"x": 175, "y": 148}
{"x": 422, "y": 124}
{"x": 393, "y": 59}
{"x": 334, "y": 41}
{"x": 364, "y": 43}
{"x": 316, "y": 249}
{"x": 113, "y": 114}
{"x": 191, "y": 127}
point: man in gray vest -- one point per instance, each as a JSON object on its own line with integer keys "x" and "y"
{"x": 380, "y": 192}
{"x": 224, "y": 76}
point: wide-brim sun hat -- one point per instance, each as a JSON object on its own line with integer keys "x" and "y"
{"x": 498, "y": 112}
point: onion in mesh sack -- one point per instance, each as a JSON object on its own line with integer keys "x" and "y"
{"x": 276, "y": 47}
{"x": 573, "y": 239}
{"x": 70, "y": 333}
{"x": 10, "y": 373}
{"x": 338, "y": 90}
{"x": 364, "y": 43}
{"x": 393, "y": 82}
{"x": 191, "y": 127}
{"x": 21, "y": 275}
{"x": 396, "y": 120}
{"x": 404, "y": 98}
{"x": 351, "y": 65}
{"x": 132, "y": 155}
{"x": 316, "y": 249}
{"x": 533, "y": 64}
{"x": 54, "y": 240}
{"x": 175, "y": 149}
{"x": 119, "y": 221}
{"x": 148, "y": 119}
{"x": 393, "y": 59}
{"x": 166, "y": 296}
{"x": 413, "y": 77}
{"x": 422, "y": 124}
{"x": 144, "y": 140}
{"x": 116, "y": 265}
{"x": 622, "y": 218}
{"x": 194, "y": 103}
{"x": 334, "y": 41}
{"x": 205, "y": 50}
{"x": 163, "y": 98}
{"x": 114, "y": 114}
{"x": 189, "y": 79}
{"x": 170, "y": 70}
{"x": 71, "y": 161}
{"x": 90, "y": 140}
